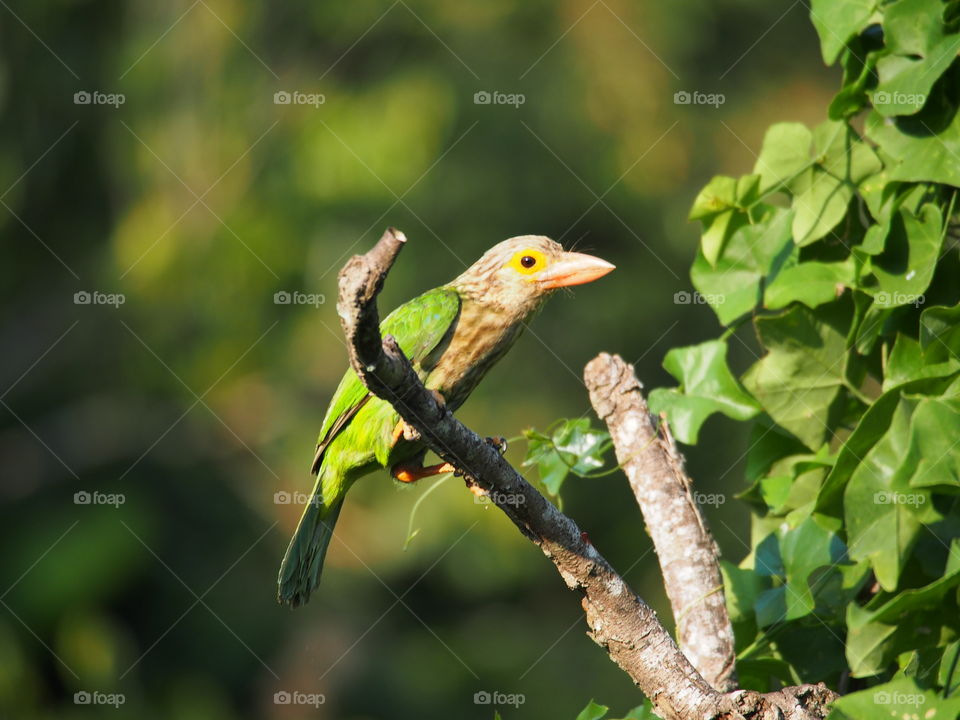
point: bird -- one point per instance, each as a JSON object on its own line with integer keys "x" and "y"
{"x": 452, "y": 335}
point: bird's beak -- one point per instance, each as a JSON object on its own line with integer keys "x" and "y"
{"x": 573, "y": 269}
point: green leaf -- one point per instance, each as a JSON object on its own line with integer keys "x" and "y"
{"x": 907, "y": 363}
{"x": 719, "y": 194}
{"x": 812, "y": 283}
{"x": 948, "y": 676}
{"x": 742, "y": 586}
{"x": 940, "y": 334}
{"x": 644, "y": 711}
{"x": 904, "y": 269}
{"x": 923, "y": 147}
{"x": 720, "y": 205}
{"x": 859, "y": 67}
{"x": 920, "y": 51}
{"x": 753, "y": 252}
{"x": 706, "y": 386}
{"x": 574, "y": 446}
{"x": 593, "y": 711}
{"x": 823, "y": 192}
{"x": 805, "y": 549}
{"x": 837, "y": 21}
{"x": 869, "y": 646}
{"x": 935, "y": 428}
{"x": 900, "y": 698}
{"x": 820, "y": 201}
{"x": 798, "y": 381}
{"x": 930, "y": 595}
{"x": 882, "y": 512}
{"x": 785, "y": 152}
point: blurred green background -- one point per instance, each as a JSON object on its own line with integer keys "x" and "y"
{"x": 199, "y": 397}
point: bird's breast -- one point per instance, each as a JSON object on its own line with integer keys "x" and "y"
{"x": 480, "y": 338}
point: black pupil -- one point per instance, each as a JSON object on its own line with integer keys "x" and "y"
{"x": 527, "y": 261}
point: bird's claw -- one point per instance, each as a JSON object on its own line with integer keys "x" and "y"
{"x": 498, "y": 443}
{"x": 410, "y": 433}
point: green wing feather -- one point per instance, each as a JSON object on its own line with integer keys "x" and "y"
{"x": 419, "y": 326}
{"x": 344, "y": 452}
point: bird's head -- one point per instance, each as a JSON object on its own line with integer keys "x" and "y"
{"x": 520, "y": 272}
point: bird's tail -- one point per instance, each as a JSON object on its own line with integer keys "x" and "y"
{"x": 303, "y": 561}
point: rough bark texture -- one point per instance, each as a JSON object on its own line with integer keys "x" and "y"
{"x": 687, "y": 552}
{"x": 618, "y": 619}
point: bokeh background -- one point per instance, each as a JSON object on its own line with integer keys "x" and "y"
{"x": 199, "y": 397}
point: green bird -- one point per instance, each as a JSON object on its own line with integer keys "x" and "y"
{"x": 452, "y": 335}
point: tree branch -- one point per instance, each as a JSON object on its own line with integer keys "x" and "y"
{"x": 618, "y": 619}
{"x": 687, "y": 552}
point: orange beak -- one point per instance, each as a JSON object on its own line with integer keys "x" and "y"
{"x": 573, "y": 269}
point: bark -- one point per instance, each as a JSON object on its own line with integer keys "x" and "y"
{"x": 618, "y": 619}
{"x": 687, "y": 552}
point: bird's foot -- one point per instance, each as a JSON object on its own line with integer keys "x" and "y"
{"x": 498, "y": 443}
{"x": 479, "y": 492}
{"x": 409, "y": 432}
{"x": 408, "y": 473}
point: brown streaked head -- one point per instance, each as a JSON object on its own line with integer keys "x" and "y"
{"x": 520, "y": 272}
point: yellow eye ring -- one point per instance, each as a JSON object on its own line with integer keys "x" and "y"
{"x": 528, "y": 262}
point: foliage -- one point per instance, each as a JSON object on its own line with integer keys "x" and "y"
{"x": 569, "y": 446}
{"x": 837, "y": 248}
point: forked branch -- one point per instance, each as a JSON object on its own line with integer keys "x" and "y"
{"x": 618, "y": 619}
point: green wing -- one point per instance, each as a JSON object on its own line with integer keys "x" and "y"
{"x": 419, "y": 326}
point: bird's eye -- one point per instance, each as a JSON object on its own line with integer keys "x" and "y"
{"x": 528, "y": 261}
